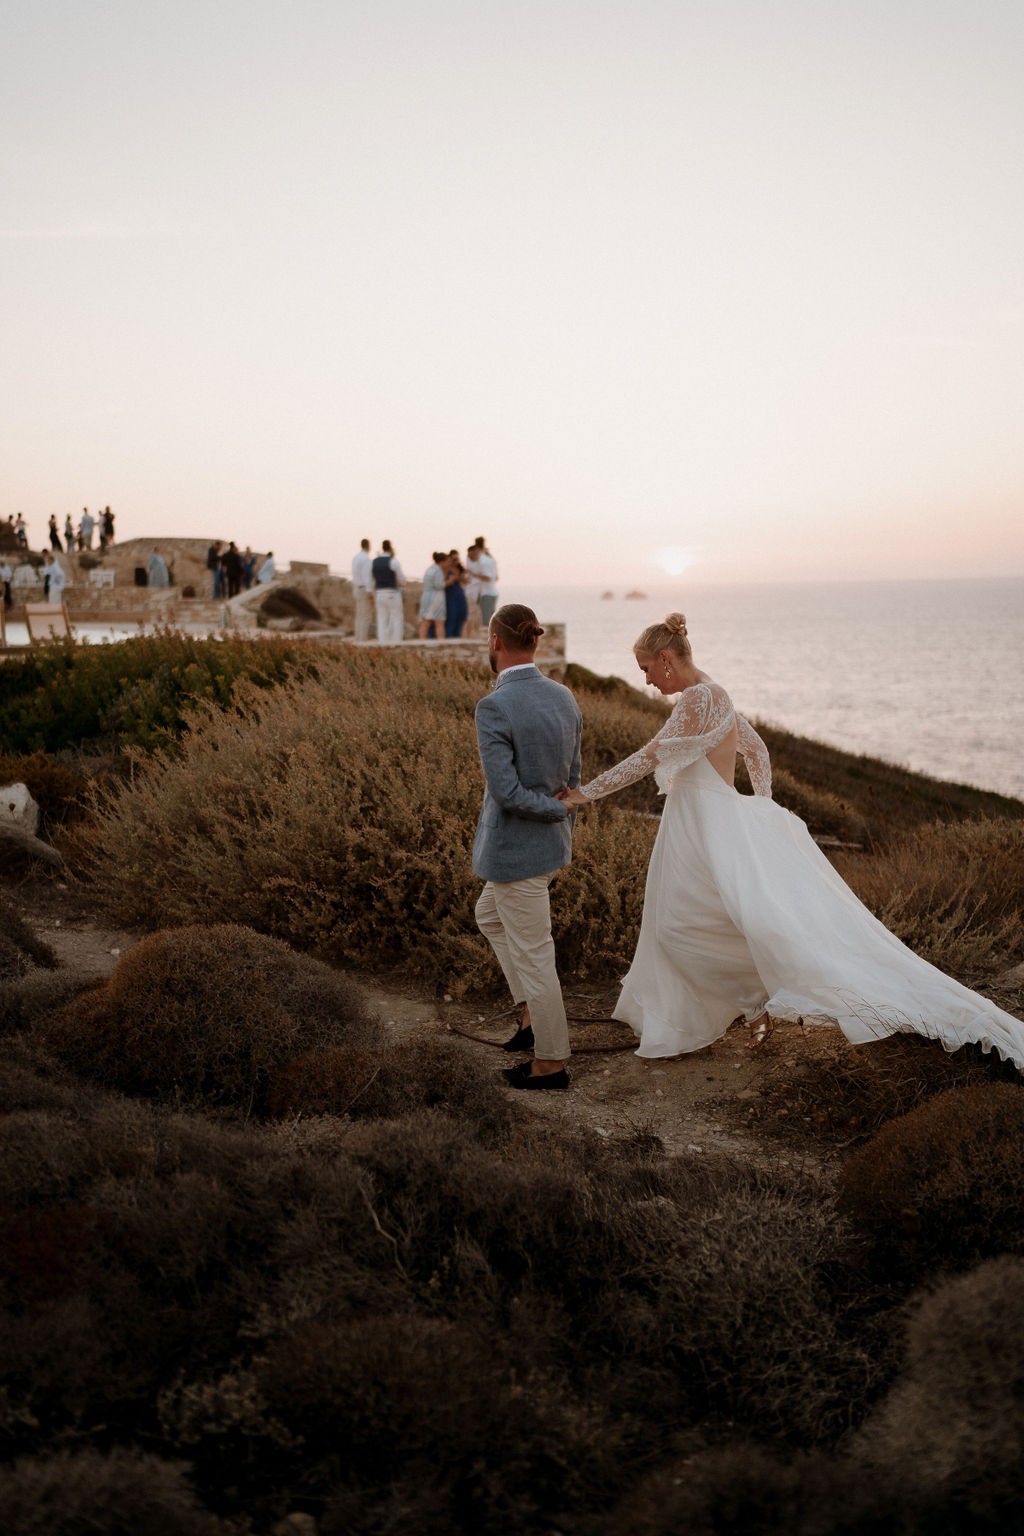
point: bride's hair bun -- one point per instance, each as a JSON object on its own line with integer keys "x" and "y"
{"x": 676, "y": 622}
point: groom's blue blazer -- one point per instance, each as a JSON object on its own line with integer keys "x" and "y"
{"x": 528, "y": 732}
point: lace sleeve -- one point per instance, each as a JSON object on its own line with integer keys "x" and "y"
{"x": 688, "y": 719}
{"x": 755, "y": 754}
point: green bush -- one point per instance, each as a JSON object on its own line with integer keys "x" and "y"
{"x": 204, "y": 1015}
{"x": 943, "y": 1187}
{"x": 133, "y": 694}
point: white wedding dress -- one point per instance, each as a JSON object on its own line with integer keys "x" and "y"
{"x": 743, "y": 913}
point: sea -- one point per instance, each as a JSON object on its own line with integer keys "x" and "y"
{"x": 925, "y": 674}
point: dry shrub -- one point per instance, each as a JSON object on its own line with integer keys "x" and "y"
{"x": 29, "y": 1079}
{"x": 942, "y": 1187}
{"x": 12, "y": 961}
{"x": 26, "y": 997}
{"x": 19, "y": 944}
{"x": 950, "y": 1435}
{"x": 316, "y": 809}
{"x": 756, "y": 1308}
{"x": 431, "y": 1404}
{"x": 854, "y": 1093}
{"x": 114, "y": 1493}
{"x": 953, "y": 894}
{"x": 741, "y": 1489}
{"x": 724, "y": 1277}
{"x": 204, "y": 1015}
{"x": 389, "y": 1081}
{"x": 139, "y": 1247}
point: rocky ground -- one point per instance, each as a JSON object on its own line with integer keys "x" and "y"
{"x": 725, "y": 1098}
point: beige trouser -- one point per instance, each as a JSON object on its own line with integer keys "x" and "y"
{"x": 364, "y": 613}
{"x": 515, "y": 917}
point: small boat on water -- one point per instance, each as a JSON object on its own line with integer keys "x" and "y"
{"x": 636, "y": 596}
{"x": 606, "y": 595}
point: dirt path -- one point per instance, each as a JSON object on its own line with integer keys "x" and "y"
{"x": 711, "y": 1101}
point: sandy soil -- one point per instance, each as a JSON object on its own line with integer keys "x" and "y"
{"x": 714, "y": 1100}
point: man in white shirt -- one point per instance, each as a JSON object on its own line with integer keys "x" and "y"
{"x": 57, "y": 579}
{"x": 362, "y": 590}
{"x": 486, "y": 569}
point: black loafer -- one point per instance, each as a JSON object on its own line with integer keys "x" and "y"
{"x": 522, "y": 1040}
{"x": 522, "y": 1077}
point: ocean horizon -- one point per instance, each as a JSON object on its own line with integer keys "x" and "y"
{"x": 924, "y": 674}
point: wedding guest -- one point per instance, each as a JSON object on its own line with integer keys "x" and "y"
{"x": 432, "y": 599}
{"x": 216, "y": 569}
{"x": 388, "y": 582}
{"x": 268, "y": 570}
{"x": 21, "y": 531}
{"x": 54, "y": 579}
{"x": 85, "y": 529}
{"x": 487, "y": 571}
{"x": 232, "y": 563}
{"x": 248, "y": 567}
{"x": 5, "y": 576}
{"x": 69, "y": 534}
{"x": 107, "y": 528}
{"x": 362, "y": 590}
{"x": 156, "y": 570}
{"x": 54, "y": 534}
{"x": 456, "y": 606}
{"x": 472, "y": 592}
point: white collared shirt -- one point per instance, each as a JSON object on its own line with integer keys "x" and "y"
{"x": 361, "y": 570}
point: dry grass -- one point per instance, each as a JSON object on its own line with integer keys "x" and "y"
{"x": 314, "y": 809}
{"x": 953, "y": 894}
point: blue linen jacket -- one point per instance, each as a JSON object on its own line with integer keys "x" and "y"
{"x": 528, "y": 733}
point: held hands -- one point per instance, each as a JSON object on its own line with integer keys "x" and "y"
{"x": 572, "y": 797}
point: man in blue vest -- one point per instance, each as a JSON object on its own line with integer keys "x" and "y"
{"x": 388, "y": 582}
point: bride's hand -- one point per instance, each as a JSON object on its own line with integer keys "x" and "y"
{"x": 572, "y": 797}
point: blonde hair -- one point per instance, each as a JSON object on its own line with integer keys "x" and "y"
{"x": 669, "y": 635}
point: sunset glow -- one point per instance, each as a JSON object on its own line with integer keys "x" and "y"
{"x": 588, "y": 280}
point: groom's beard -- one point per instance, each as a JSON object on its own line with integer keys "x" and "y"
{"x": 492, "y": 661}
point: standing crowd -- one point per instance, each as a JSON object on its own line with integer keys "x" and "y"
{"x": 233, "y": 570}
{"x": 458, "y": 598}
{"x": 80, "y": 538}
{"x": 75, "y": 540}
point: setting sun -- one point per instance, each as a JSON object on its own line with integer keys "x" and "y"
{"x": 677, "y": 558}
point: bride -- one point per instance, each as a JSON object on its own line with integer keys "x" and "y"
{"x": 744, "y": 917}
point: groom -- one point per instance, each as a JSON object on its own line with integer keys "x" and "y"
{"x": 528, "y": 734}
